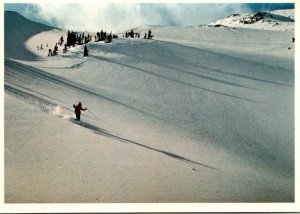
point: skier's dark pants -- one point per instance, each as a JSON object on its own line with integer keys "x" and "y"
{"x": 78, "y": 117}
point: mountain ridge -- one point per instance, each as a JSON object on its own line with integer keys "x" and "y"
{"x": 266, "y": 20}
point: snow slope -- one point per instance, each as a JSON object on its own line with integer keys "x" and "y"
{"x": 186, "y": 117}
{"x": 14, "y": 40}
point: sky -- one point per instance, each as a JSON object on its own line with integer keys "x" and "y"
{"x": 118, "y": 17}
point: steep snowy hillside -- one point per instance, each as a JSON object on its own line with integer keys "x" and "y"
{"x": 194, "y": 115}
{"x": 17, "y": 31}
{"x": 271, "y": 20}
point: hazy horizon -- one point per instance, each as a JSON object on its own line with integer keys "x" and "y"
{"x": 120, "y": 17}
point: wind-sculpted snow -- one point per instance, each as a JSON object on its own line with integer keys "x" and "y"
{"x": 211, "y": 116}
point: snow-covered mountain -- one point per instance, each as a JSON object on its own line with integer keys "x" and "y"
{"x": 271, "y": 20}
{"x": 195, "y": 115}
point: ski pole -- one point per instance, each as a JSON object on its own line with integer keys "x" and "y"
{"x": 93, "y": 114}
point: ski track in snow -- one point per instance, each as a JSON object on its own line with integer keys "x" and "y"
{"x": 56, "y": 110}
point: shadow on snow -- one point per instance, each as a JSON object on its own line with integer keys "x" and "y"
{"x": 105, "y": 133}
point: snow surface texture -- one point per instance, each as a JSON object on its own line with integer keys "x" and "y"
{"x": 198, "y": 114}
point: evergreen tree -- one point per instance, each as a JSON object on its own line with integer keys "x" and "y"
{"x": 68, "y": 38}
{"x": 98, "y": 37}
{"x": 86, "y": 40}
{"x": 85, "y": 52}
{"x": 55, "y": 51}
{"x": 71, "y": 39}
{"x": 65, "y": 49}
{"x": 131, "y": 34}
{"x": 150, "y": 34}
{"x": 61, "y": 40}
{"x": 108, "y": 38}
{"x": 104, "y": 36}
{"x": 79, "y": 39}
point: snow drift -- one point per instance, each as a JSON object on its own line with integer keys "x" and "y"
{"x": 196, "y": 115}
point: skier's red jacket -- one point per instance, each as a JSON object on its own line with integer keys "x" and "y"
{"x": 78, "y": 108}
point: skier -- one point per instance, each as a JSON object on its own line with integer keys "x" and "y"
{"x": 78, "y": 110}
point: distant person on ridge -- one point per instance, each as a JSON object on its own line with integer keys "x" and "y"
{"x": 78, "y": 110}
